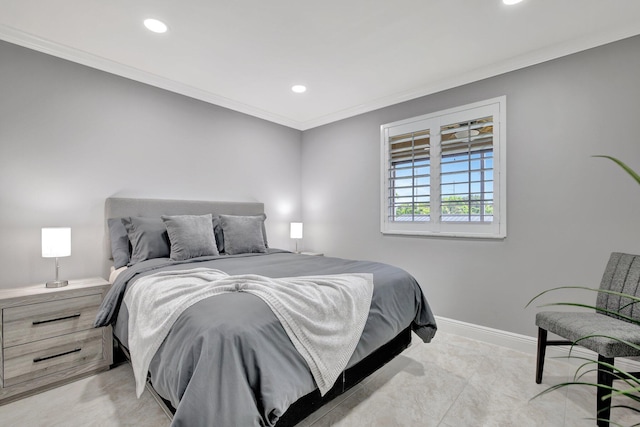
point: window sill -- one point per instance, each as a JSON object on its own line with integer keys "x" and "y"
{"x": 449, "y": 234}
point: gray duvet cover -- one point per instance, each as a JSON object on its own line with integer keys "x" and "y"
{"x": 227, "y": 360}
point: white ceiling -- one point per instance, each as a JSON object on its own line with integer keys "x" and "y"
{"x": 353, "y": 55}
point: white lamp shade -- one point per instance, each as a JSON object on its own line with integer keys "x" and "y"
{"x": 296, "y": 230}
{"x": 56, "y": 242}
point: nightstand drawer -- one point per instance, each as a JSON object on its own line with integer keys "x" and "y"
{"x": 36, "y": 359}
{"x": 32, "y": 322}
{"x": 47, "y": 336}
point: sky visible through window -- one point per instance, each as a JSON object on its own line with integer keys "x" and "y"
{"x": 464, "y": 176}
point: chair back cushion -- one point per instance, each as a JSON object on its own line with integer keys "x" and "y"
{"x": 621, "y": 275}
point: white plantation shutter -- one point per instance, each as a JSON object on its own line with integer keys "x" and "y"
{"x": 445, "y": 173}
{"x": 466, "y": 171}
{"x": 409, "y": 176}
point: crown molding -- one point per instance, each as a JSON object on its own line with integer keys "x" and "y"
{"x": 39, "y": 44}
{"x": 513, "y": 64}
{"x": 33, "y": 42}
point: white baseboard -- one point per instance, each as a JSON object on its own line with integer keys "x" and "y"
{"x": 518, "y": 342}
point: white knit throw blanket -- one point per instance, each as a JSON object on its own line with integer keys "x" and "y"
{"x": 324, "y": 316}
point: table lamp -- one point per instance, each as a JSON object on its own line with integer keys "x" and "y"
{"x": 56, "y": 242}
{"x": 296, "y": 232}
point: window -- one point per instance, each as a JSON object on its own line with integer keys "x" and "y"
{"x": 445, "y": 173}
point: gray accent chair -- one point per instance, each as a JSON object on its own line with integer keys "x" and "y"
{"x": 622, "y": 274}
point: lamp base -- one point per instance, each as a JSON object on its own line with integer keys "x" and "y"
{"x": 57, "y": 284}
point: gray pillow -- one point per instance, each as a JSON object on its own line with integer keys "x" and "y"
{"x": 190, "y": 236}
{"x": 243, "y": 234}
{"x": 120, "y": 246}
{"x": 148, "y": 237}
{"x": 217, "y": 231}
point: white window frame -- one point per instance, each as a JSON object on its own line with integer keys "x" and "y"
{"x": 496, "y": 229}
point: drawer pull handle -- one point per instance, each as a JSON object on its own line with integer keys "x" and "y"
{"x": 42, "y": 359}
{"x": 57, "y": 319}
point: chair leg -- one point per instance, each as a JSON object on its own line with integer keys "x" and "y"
{"x": 542, "y": 347}
{"x": 605, "y": 378}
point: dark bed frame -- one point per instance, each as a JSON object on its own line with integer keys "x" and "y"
{"x": 306, "y": 405}
{"x": 313, "y": 401}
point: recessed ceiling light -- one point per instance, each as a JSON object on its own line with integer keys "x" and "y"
{"x": 155, "y": 25}
{"x": 299, "y": 88}
{"x": 510, "y": 2}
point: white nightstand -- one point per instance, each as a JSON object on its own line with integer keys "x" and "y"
{"x": 311, "y": 253}
{"x": 48, "y": 338}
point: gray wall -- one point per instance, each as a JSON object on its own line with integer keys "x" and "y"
{"x": 71, "y": 136}
{"x": 566, "y": 210}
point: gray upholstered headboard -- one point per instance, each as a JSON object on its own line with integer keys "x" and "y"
{"x": 118, "y": 207}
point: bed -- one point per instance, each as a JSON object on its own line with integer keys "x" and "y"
{"x": 232, "y": 359}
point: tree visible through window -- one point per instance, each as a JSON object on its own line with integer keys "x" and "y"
{"x": 410, "y": 169}
{"x": 444, "y": 173}
{"x": 467, "y": 171}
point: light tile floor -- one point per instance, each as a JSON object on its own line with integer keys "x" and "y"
{"x": 453, "y": 381}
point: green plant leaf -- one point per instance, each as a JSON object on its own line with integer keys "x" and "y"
{"x": 620, "y": 374}
{"x": 620, "y": 163}
{"x": 630, "y": 344}
{"x": 614, "y": 313}
{"x": 570, "y": 383}
{"x": 586, "y": 288}
{"x": 633, "y": 300}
